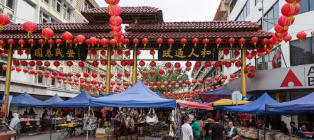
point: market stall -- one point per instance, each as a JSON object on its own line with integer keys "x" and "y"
{"x": 81, "y": 100}
{"x": 258, "y": 107}
{"x": 54, "y": 99}
{"x": 30, "y": 122}
{"x": 140, "y": 121}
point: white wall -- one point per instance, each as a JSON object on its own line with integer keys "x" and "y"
{"x": 25, "y": 11}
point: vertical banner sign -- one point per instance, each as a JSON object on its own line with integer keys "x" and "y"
{"x": 2, "y": 113}
{"x": 58, "y": 53}
{"x": 188, "y": 53}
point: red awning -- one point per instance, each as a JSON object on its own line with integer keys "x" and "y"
{"x": 193, "y": 105}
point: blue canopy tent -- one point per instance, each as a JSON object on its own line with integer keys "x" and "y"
{"x": 304, "y": 103}
{"x": 27, "y": 100}
{"x": 258, "y": 106}
{"x": 138, "y": 96}
{"x": 111, "y": 93}
{"x": 81, "y": 100}
{"x": 217, "y": 94}
{"x": 160, "y": 95}
{"x": 54, "y": 99}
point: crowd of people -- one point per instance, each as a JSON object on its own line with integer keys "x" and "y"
{"x": 199, "y": 128}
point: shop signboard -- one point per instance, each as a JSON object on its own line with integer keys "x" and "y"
{"x": 188, "y": 53}
{"x": 296, "y": 77}
{"x": 58, "y": 53}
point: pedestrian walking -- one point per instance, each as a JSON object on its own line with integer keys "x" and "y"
{"x": 187, "y": 129}
{"x": 231, "y": 133}
{"x": 196, "y": 128}
{"x": 216, "y": 130}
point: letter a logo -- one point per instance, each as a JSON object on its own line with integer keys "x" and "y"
{"x": 290, "y": 77}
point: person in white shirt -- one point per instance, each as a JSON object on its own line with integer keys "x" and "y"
{"x": 187, "y": 129}
{"x": 69, "y": 118}
{"x": 191, "y": 116}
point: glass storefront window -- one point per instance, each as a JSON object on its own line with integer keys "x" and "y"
{"x": 301, "y": 52}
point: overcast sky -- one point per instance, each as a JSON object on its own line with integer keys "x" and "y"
{"x": 175, "y": 10}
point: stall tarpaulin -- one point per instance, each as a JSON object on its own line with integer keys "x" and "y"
{"x": 228, "y": 102}
{"x": 217, "y": 94}
{"x": 54, "y": 99}
{"x": 198, "y": 100}
{"x": 301, "y": 104}
{"x": 137, "y": 96}
{"x": 183, "y": 103}
{"x": 160, "y": 95}
{"x": 27, "y": 100}
{"x": 81, "y": 100}
{"x": 258, "y": 106}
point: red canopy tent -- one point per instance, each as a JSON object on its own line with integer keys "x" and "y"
{"x": 193, "y": 105}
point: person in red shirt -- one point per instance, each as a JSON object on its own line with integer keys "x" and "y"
{"x": 260, "y": 124}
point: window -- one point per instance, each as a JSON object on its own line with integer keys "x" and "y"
{"x": 306, "y": 5}
{"x": 301, "y": 53}
{"x": 232, "y": 5}
{"x": 245, "y": 12}
{"x": 47, "y": 1}
{"x": 271, "y": 17}
{"x": 68, "y": 14}
{"x": 43, "y": 18}
{"x": 40, "y": 78}
{"x": 85, "y": 6}
{"x": 10, "y": 3}
{"x": 58, "y": 6}
{"x": 256, "y": 2}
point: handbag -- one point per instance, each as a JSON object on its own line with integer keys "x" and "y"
{"x": 151, "y": 117}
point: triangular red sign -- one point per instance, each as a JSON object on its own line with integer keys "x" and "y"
{"x": 290, "y": 77}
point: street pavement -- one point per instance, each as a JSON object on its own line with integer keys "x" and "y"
{"x": 55, "y": 136}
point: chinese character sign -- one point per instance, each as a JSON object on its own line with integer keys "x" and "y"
{"x": 58, "y": 53}
{"x": 189, "y": 52}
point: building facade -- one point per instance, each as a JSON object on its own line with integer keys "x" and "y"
{"x": 290, "y": 55}
{"x": 49, "y": 13}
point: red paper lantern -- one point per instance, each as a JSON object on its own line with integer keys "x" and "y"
{"x": 290, "y": 10}
{"x": 48, "y": 33}
{"x": 231, "y": 41}
{"x": 4, "y": 67}
{"x": 80, "y": 39}
{"x": 218, "y": 41}
{"x": 170, "y": 42}
{"x": 301, "y": 35}
{"x": 67, "y": 36}
{"x": 287, "y": 38}
{"x": 25, "y": 70}
{"x": 280, "y": 29}
{"x": 4, "y": 20}
{"x": 170, "y": 71}
{"x": 250, "y": 75}
{"x": 198, "y": 64}
{"x": 194, "y": 81}
{"x": 205, "y": 41}
{"x": 159, "y": 41}
{"x": 152, "y": 64}
{"x": 183, "y": 41}
{"x": 2, "y": 43}
{"x": 22, "y": 42}
{"x": 285, "y": 22}
{"x": 144, "y": 73}
{"x": 166, "y": 83}
{"x": 228, "y": 65}
{"x": 152, "y": 72}
{"x": 254, "y": 40}
{"x": 70, "y": 63}
{"x": 168, "y": 64}
{"x": 195, "y": 41}
{"x": 113, "y": 63}
{"x": 119, "y": 75}
{"x": 236, "y": 53}
{"x": 127, "y": 74}
{"x": 241, "y": 41}
{"x": 11, "y": 42}
{"x": 135, "y": 41}
{"x": 145, "y": 41}
{"x": 207, "y": 64}
{"x": 114, "y": 10}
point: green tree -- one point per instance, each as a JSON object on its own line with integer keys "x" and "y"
{"x": 175, "y": 76}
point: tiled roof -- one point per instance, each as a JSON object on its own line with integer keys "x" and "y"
{"x": 141, "y": 9}
{"x": 60, "y": 26}
{"x": 56, "y": 35}
{"x": 100, "y": 14}
{"x": 227, "y": 34}
{"x": 195, "y": 25}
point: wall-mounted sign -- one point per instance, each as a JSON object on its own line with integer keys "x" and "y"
{"x": 58, "y": 53}
{"x": 189, "y": 52}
